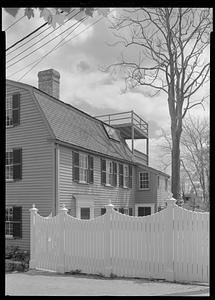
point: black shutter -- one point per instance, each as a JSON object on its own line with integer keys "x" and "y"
{"x": 121, "y": 210}
{"x": 130, "y": 177}
{"x": 90, "y": 167}
{"x": 75, "y": 157}
{"x": 103, "y": 211}
{"x": 16, "y": 109}
{"x": 114, "y": 174}
{"x": 120, "y": 175}
{"x": 130, "y": 211}
{"x": 17, "y": 222}
{"x": 17, "y": 164}
{"x": 103, "y": 171}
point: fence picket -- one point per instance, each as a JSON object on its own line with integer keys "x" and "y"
{"x": 144, "y": 247}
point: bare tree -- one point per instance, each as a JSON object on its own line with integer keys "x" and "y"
{"x": 195, "y": 144}
{"x": 170, "y": 43}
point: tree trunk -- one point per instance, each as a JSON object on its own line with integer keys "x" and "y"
{"x": 176, "y": 135}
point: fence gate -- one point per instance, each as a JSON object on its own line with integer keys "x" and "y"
{"x": 172, "y": 244}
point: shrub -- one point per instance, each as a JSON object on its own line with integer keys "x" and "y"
{"x": 22, "y": 256}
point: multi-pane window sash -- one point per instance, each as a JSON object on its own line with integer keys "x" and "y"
{"x": 125, "y": 176}
{"x": 13, "y": 164}
{"x": 144, "y": 180}
{"x": 108, "y": 172}
{"x": 13, "y": 110}
{"x": 82, "y": 167}
{"x": 13, "y": 222}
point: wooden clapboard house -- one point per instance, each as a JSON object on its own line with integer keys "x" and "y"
{"x": 57, "y": 154}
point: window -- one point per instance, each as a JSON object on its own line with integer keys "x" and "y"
{"x": 108, "y": 172}
{"x": 143, "y": 180}
{"x": 144, "y": 211}
{"x": 85, "y": 213}
{"x": 126, "y": 210}
{"x": 158, "y": 181}
{"x": 166, "y": 184}
{"x": 13, "y": 222}
{"x": 125, "y": 176}
{"x": 12, "y": 110}
{"x": 13, "y": 165}
{"x": 111, "y": 132}
{"x": 82, "y": 168}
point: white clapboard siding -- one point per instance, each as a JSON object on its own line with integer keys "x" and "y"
{"x": 124, "y": 245}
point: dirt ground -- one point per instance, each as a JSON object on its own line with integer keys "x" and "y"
{"x": 39, "y": 283}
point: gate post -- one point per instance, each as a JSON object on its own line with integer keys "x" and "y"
{"x": 169, "y": 241}
{"x": 62, "y": 215}
{"x": 108, "y": 263}
{"x": 33, "y": 212}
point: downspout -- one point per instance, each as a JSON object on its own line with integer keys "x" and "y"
{"x": 56, "y": 181}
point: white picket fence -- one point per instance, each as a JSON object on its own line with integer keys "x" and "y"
{"x": 172, "y": 244}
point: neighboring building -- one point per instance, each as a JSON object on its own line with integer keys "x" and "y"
{"x": 56, "y": 154}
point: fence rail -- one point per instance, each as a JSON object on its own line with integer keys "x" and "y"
{"x": 172, "y": 244}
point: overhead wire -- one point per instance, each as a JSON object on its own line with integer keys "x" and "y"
{"x": 54, "y": 30}
{"x": 26, "y": 36}
{"x": 36, "y": 62}
{"x": 38, "y": 47}
{"x": 40, "y": 34}
{"x": 14, "y": 23}
{"x": 41, "y": 58}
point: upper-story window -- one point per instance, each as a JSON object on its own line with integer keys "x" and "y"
{"x": 143, "y": 180}
{"x": 108, "y": 172}
{"x": 125, "y": 176}
{"x": 82, "y": 167}
{"x": 12, "y": 110}
{"x": 13, "y": 164}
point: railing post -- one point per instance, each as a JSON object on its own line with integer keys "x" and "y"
{"x": 33, "y": 212}
{"x": 108, "y": 260}
{"x": 169, "y": 241}
{"x": 62, "y": 214}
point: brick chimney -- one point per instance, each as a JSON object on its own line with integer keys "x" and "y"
{"x": 49, "y": 82}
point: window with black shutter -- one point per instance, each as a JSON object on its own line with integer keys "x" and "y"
{"x": 17, "y": 164}
{"x": 121, "y": 175}
{"x": 103, "y": 171}
{"x": 16, "y": 109}
{"x": 130, "y": 211}
{"x": 90, "y": 166}
{"x": 75, "y": 156}
{"x": 114, "y": 174}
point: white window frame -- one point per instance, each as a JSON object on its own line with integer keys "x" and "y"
{"x": 145, "y": 205}
{"x": 109, "y": 172}
{"x": 10, "y": 222}
{"x": 83, "y": 167}
{"x": 83, "y": 201}
{"x": 145, "y": 188}
{"x": 9, "y": 111}
{"x": 9, "y": 167}
{"x": 125, "y": 176}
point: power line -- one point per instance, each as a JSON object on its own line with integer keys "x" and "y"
{"x": 27, "y": 36}
{"x": 40, "y": 59}
{"x": 82, "y": 20}
{"x": 39, "y": 40}
{"x": 55, "y": 48}
{"x": 14, "y": 23}
{"x": 38, "y": 47}
{"x": 40, "y": 34}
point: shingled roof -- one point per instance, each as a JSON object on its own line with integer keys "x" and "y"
{"x": 75, "y": 127}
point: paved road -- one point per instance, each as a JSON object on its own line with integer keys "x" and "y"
{"x": 38, "y": 283}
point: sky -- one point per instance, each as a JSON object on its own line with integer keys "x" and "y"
{"x": 82, "y": 82}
